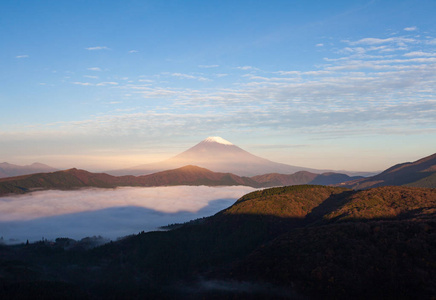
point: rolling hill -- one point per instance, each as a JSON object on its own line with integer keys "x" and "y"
{"x": 74, "y": 178}
{"x": 187, "y": 175}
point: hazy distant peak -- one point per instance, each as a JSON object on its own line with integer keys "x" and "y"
{"x": 217, "y": 139}
{"x": 10, "y": 170}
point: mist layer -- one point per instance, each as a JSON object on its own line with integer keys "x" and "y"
{"x": 111, "y": 213}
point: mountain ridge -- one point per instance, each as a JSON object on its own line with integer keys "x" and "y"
{"x": 420, "y": 173}
{"x": 187, "y": 175}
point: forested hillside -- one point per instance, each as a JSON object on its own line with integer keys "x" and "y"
{"x": 287, "y": 242}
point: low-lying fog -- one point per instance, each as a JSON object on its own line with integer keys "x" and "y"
{"x": 110, "y": 213}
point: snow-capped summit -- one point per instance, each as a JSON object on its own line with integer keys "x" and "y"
{"x": 217, "y": 139}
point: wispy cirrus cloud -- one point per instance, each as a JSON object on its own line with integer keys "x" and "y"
{"x": 22, "y": 56}
{"x": 419, "y": 53}
{"x": 97, "y": 48}
{"x": 187, "y": 76}
{"x": 245, "y": 68}
{"x": 94, "y": 69}
{"x": 106, "y": 83}
{"x": 377, "y": 41}
{"x": 367, "y": 87}
{"x": 351, "y": 91}
{"x": 82, "y": 83}
{"x": 208, "y": 66}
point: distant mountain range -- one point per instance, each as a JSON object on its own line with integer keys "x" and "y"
{"x": 213, "y": 153}
{"x": 187, "y": 175}
{"x": 421, "y": 173}
{"x": 218, "y": 155}
{"x": 9, "y": 170}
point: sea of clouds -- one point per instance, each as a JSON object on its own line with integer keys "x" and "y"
{"x": 110, "y": 213}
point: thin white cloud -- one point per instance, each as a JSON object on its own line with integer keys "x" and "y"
{"x": 296, "y": 73}
{"x": 354, "y": 50}
{"x": 107, "y": 83}
{"x": 412, "y": 28}
{"x": 320, "y": 45}
{"x": 187, "y": 76}
{"x": 378, "y": 41}
{"x": 419, "y": 53}
{"x": 133, "y": 51}
{"x": 97, "y": 48}
{"x": 94, "y": 69}
{"x": 83, "y": 83}
{"x": 246, "y": 68}
{"x": 91, "y": 76}
{"x": 274, "y": 79}
{"x": 208, "y": 66}
{"x": 22, "y": 56}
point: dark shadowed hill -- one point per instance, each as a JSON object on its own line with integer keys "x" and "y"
{"x": 298, "y": 242}
{"x": 421, "y": 173}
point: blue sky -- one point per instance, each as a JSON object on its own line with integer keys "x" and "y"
{"x": 322, "y": 84}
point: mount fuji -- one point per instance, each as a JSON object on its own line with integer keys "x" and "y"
{"x": 218, "y": 155}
